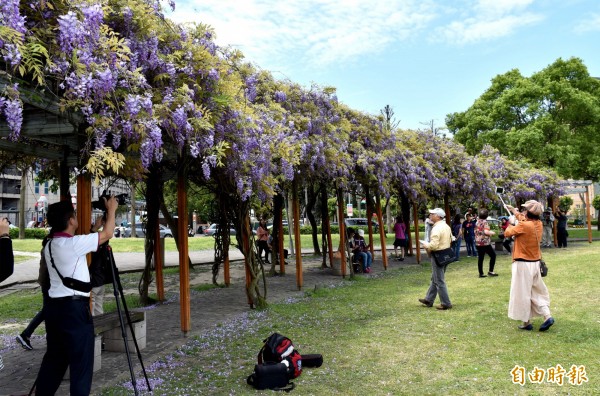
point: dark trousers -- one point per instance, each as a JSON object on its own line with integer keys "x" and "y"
{"x": 561, "y": 236}
{"x": 37, "y": 319}
{"x": 506, "y": 243}
{"x": 471, "y": 250}
{"x": 35, "y": 322}
{"x": 482, "y": 251}
{"x": 70, "y": 339}
{"x": 263, "y": 246}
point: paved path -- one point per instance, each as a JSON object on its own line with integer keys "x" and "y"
{"x": 164, "y": 335}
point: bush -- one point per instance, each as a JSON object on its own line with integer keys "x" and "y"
{"x": 30, "y": 233}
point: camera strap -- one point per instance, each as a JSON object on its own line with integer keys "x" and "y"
{"x": 71, "y": 283}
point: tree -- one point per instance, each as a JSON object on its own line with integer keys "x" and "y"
{"x": 390, "y": 123}
{"x": 596, "y": 205}
{"x": 551, "y": 119}
{"x": 565, "y": 203}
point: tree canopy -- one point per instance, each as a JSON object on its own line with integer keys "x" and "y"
{"x": 551, "y": 119}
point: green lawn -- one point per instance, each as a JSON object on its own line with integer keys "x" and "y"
{"x": 377, "y": 339}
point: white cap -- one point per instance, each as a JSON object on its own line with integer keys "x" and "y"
{"x": 438, "y": 211}
{"x": 361, "y": 232}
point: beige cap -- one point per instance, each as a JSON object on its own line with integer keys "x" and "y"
{"x": 533, "y": 207}
{"x": 438, "y": 211}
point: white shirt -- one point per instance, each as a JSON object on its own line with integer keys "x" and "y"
{"x": 69, "y": 255}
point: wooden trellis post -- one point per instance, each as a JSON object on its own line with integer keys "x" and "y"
{"x": 384, "y": 257}
{"x": 184, "y": 269}
{"x": 417, "y": 243}
{"x": 342, "y": 227}
{"x": 296, "y": 210}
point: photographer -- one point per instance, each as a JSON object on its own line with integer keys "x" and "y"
{"x": 561, "y": 228}
{"x": 69, "y": 326}
{"x": 548, "y": 223}
{"x": 529, "y": 295}
{"x": 7, "y": 260}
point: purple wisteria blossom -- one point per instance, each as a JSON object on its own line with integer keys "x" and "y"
{"x": 251, "y": 87}
{"x": 11, "y": 17}
{"x": 13, "y": 112}
{"x": 280, "y": 96}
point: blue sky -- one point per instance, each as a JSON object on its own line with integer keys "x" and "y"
{"x": 425, "y": 58}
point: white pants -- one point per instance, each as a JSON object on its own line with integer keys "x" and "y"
{"x": 97, "y": 296}
{"x": 529, "y": 295}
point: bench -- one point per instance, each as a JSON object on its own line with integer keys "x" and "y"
{"x": 108, "y": 327}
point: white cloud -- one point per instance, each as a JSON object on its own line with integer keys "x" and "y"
{"x": 312, "y": 32}
{"x": 591, "y": 24}
{"x": 487, "y": 20}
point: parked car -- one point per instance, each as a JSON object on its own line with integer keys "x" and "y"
{"x": 165, "y": 232}
{"x": 360, "y": 222}
{"x": 210, "y": 231}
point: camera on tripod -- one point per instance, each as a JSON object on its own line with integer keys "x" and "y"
{"x": 122, "y": 199}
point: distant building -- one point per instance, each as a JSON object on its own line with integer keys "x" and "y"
{"x": 577, "y": 194}
{"x": 39, "y": 195}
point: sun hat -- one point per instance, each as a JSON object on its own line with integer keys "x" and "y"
{"x": 533, "y": 207}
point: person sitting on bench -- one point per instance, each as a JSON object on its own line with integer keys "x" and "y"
{"x": 361, "y": 249}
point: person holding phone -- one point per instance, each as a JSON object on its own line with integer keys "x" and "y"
{"x": 529, "y": 296}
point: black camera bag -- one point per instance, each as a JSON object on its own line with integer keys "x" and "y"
{"x": 101, "y": 267}
{"x": 272, "y": 376}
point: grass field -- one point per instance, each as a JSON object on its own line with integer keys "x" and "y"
{"x": 377, "y": 339}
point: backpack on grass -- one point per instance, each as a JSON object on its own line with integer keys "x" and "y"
{"x": 278, "y": 363}
{"x": 280, "y": 349}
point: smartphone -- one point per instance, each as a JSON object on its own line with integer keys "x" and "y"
{"x": 499, "y": 190}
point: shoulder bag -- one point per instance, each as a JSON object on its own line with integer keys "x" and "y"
{"x": 543, "y": 266}
{"x": 444, "y": 257}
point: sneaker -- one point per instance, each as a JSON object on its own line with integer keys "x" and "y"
{"x": 468, "y": 255}
{"x": 24, "y": 341}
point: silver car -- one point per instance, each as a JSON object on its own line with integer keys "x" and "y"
{"x": 165, "y": 232}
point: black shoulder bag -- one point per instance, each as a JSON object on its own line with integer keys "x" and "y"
{"x": 444, "y": 257}
{"x": 543, "y": 266}
{"x": 71, "y": 283}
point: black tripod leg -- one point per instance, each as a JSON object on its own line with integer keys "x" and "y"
{"x": 117, "y": 280}
{"x": 121, "y": 322}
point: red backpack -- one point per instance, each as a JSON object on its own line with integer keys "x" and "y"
{"x": 279, "y": 349}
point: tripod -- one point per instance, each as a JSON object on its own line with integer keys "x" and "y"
{"x": 118, "y": 291}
